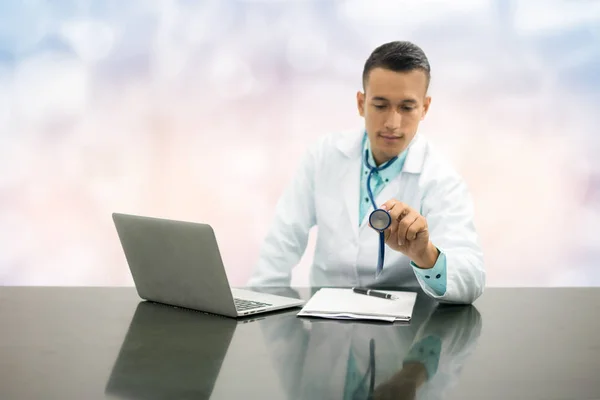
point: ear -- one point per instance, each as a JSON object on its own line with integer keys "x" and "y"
{"x": 426, "y": 105}
{"x": 360, "y": 102}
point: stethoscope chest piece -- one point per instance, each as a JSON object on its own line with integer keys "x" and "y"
{"x": 380, "y": 220}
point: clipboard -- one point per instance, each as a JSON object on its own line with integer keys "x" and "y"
{"x": 338, "y": 303}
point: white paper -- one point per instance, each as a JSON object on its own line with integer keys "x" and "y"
{"x": 348, "y": 316}
{"x": 345, "y": 304}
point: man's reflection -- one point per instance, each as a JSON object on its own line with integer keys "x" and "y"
{"x": 352, "y": 360}
{"x": 437, "y": 355}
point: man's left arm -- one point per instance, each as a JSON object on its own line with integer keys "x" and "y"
{"x": 452, "y": 267}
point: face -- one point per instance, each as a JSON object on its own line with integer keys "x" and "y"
{"x": 393, "y": 105}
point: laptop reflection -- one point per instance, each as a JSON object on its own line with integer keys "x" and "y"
{"x": 170, "y": 353}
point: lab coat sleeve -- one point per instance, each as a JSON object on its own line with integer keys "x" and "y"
{"x": 436, "y": 276}
{"x": 287, "y": 237}
{"x": 448, "y": 208}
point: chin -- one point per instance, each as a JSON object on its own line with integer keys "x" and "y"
{"x": 389, "y": 148}
{"x": 394, "y": 147}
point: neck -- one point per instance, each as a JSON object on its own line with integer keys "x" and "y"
{"x": 379, "y": 160}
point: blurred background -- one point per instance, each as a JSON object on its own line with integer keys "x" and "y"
{"x": 200, "y": 110}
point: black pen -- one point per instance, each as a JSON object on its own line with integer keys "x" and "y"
{"x": 374, "y": 293}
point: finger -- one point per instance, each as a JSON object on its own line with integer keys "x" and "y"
{"x": 404, "y": 224}
{"x": 416, "y": 228}
{"x": 390, "y": 232}
{"x": 392, "y": 203}
{"x": 397, "y": 211}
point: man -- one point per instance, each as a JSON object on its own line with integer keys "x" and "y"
{"x": 431, "y": 239}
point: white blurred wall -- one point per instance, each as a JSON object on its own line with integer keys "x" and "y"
{"x": 200, "y": 111}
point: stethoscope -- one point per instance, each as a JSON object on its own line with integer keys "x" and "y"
{"x": 370, "y": 371}
{"x": 379, "y": 219}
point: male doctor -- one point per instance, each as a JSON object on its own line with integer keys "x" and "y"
{"x": 424, "y": 209}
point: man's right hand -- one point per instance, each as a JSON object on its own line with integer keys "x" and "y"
{"x": 404, "y": 384}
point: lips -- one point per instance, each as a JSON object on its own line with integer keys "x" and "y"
{"x": 390, "y": 136}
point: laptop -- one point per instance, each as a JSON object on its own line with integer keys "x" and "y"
{"x": 178, "y": 263}
{"x": 172, "y": 353}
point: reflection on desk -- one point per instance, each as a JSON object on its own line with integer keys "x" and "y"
{"x": 170, "y": 353}
{"x": 173, "y": 353}
{"x": 177, "y": 353}
{"x": 91, "y": 343}
{"x": 334, "y": 359}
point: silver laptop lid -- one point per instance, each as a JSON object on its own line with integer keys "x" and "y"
{"x": 175, "y": 262}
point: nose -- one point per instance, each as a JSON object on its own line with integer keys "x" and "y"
{"x": 393, "y": 121}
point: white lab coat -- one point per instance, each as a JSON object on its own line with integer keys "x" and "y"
{"x": 325, "y": 192}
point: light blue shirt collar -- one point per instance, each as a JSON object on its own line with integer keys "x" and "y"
{"x": 393, "y": 170}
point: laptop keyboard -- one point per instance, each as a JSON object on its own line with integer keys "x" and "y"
{"x": 243, "y": 305}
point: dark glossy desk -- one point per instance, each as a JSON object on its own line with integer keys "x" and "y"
{"x": 96, "y": 343}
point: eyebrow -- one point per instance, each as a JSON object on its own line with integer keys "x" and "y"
{"x": 379, "y": 98}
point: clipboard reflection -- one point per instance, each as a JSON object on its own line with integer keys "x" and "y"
{"x": 170, "y": 353}
{"x": 332, "y": 359}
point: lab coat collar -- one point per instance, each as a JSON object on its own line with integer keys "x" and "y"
{"x": 351, "y": 146}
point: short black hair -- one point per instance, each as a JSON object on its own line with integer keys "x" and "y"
{"x": 398, "y": 56}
